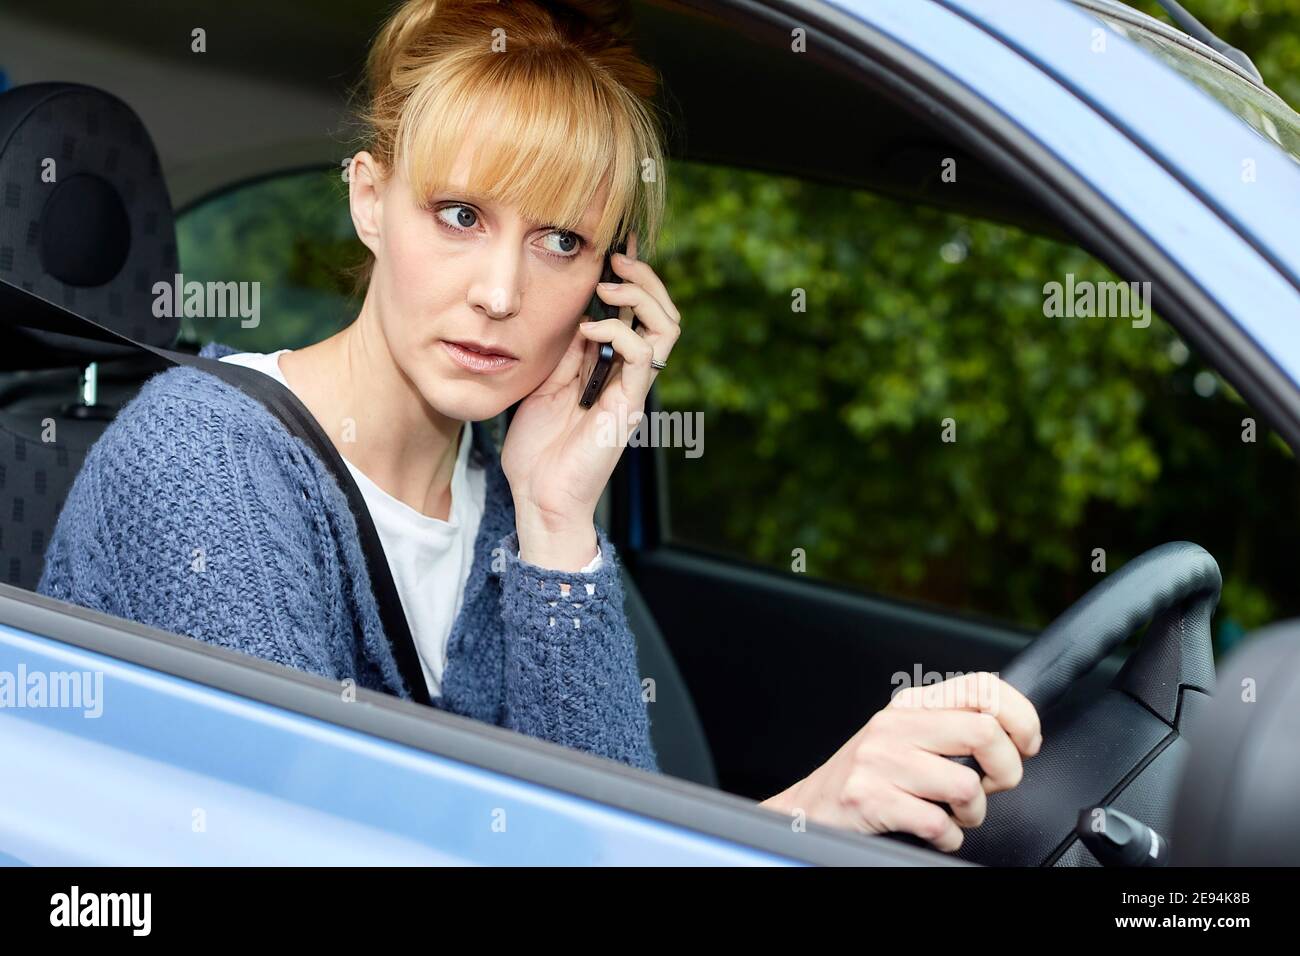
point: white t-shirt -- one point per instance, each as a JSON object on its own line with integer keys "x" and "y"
{"x": 430, "y": 559}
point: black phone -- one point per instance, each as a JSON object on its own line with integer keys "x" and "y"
{"x": 605, "y": 355}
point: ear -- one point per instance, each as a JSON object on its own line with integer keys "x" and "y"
{"x": 366, "y": 187}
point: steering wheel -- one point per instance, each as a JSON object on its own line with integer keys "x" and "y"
{"x": 1125, "y": 748}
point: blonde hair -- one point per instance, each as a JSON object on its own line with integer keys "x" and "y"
{"x": 561, "y": 101}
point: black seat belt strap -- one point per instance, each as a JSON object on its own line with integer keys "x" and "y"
{"x": 24, "y": 309}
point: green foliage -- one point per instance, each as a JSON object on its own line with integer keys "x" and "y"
{"x": 293, "y": 235}
{"x": 824, "y": 428}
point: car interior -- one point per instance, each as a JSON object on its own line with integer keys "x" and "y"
{"x": 738, "y": 651}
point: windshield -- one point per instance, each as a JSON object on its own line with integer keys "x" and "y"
{"x": 1261, "y": 110}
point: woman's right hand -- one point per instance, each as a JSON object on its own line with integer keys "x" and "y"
{"x": 892, "y": 774}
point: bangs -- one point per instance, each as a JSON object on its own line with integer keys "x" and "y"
{"x": 547, "y": 134}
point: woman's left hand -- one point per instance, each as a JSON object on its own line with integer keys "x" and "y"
{"x": 558, "y": 456}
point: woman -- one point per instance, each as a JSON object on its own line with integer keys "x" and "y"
{"x": 508, "y": 146}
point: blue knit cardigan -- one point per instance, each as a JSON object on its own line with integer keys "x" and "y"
{"x": 197, "y": 512}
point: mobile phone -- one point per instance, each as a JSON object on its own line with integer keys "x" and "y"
{"x": 605, "y": 355}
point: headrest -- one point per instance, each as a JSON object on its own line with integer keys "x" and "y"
{"x": 1237, "y": 800}
{"x": 85, "y": 220}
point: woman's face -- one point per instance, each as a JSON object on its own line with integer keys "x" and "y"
{"x": 476, "y": 304}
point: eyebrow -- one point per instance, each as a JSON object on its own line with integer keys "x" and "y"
{"x": 466, "y": 194}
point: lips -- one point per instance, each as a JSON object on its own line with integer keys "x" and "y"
{"x": 476, "y": 357}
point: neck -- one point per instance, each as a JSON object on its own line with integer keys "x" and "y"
{"x": 375, "y": 415}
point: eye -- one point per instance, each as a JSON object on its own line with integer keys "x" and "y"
{"x": 563, "y": 243}
{"x": 462, "y": 217}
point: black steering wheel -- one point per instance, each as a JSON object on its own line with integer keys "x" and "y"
{"x": 1122, "y": 749}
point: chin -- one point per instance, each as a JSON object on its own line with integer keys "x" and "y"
{"x": 471, "y": 401}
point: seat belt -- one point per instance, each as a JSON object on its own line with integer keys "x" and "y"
{"x": 23, "y": 309}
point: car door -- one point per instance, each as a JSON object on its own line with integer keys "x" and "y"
{"x": 129, "y": 746}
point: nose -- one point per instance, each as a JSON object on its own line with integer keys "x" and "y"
{"x": 495, "y": 291}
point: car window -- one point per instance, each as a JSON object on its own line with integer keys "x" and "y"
{"x": 884, "y": 396}
{"x": 291, "y": 238}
